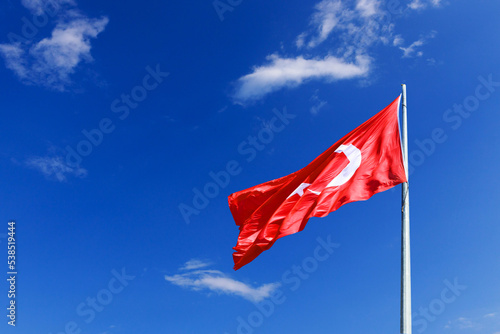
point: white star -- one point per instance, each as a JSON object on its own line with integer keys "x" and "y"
{"x": 300, "y": 189}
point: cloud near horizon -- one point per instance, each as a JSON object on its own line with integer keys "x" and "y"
{"x": 218, "y": 282}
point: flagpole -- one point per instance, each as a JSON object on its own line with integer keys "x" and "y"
{"x": 405, "y": 233}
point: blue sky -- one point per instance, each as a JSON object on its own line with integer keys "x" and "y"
{"x": 117, "y": 116}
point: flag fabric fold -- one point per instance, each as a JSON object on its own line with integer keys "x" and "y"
{"x": 364, "y": 162}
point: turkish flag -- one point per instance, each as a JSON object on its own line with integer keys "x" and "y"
{"x": 366, "y": 161}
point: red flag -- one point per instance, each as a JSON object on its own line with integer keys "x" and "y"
{"x": 366, "y": 161}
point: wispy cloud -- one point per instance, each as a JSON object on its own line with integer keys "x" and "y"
{"x": 14, "y": 58}
{"x": 413, "y": 50}
{"x": 368, "y": 8}
{"x": 398, "y": 40}
{"x": 291, "y": 72}
{"x": 489, "y": 322}
{"x": 55, "y": 168}
{"x": 37, "y": 7}
{"x": 109, "y": 329}
{"x": 422, "y": 4}
{"x": 51, "y": 61}
{"x": 218, "y": 282}
{"x": 355, "y": 26}
{"x": 317, "y": 103}
{"x": 348, "y": 30}
{"x": 355, "y": 29}
{"x": 328, "y": 14}
{"x": 417, "y": 4}
{"x": 462, "y": 323}
{"x": 195, "y": 264}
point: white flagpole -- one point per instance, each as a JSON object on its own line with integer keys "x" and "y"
{"x": 405, "y": 234}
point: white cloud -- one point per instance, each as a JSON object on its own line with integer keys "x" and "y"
{"x": 368, "y": 7}
{"x": 39, "y": 6}
{"x": 290, "y": 72}
{"x": 413, "y": 49}
{"x": 328, "y": 14}
{"x": 464, "y": 323}
{"x": 68, "y": 45}
{"x": 489, "y": 322}
{"x": 194, "y": 264}
{"x": 416, "y": 4}
{"x": 55, "y": 168}
{"x": 398, "y": 40}
{"x": 316, "y": 108}
{"x": 109, "y": 329}
{"x": 422, "y": 4}
{"x": 354, "y": 27}
{"x": 299, "y": 42}
{"x": 218, "y": 282}
{"x": 14, "y": 58}
{"x": 348, "y": 30}
{"x": 51, "y": 61}
{"x": 317, "y": 103}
